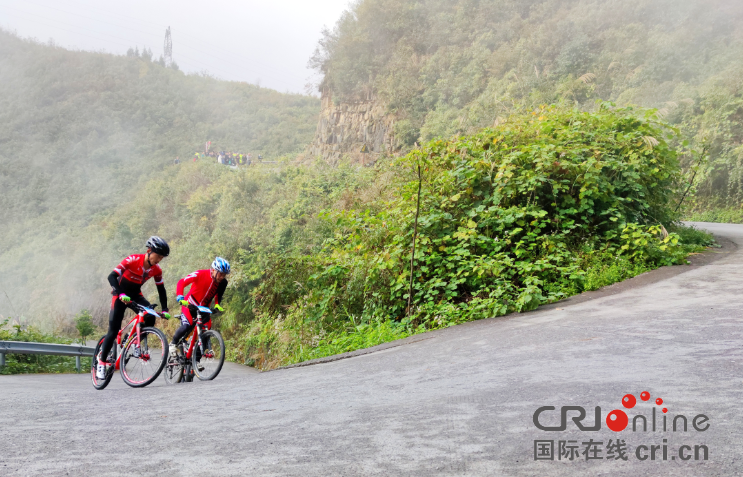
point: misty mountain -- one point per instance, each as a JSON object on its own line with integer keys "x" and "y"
{"x": 82, "y": 132}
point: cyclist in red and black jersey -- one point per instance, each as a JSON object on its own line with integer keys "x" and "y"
{"x": 126, "y": 283}
{"x": 206, "y": 285}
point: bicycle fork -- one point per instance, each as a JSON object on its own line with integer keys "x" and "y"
{"x": 140, "y": 344}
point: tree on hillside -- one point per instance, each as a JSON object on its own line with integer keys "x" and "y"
{"x": 84, "y": 325}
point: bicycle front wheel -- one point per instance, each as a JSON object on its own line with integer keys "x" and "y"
{"x": 141, "y": 364}
{"x": 208, "y": 365}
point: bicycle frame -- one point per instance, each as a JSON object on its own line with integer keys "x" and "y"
{"x": 196, "y": 334}
{"x": 195, "y": 338}
{"x": 136, "y": 323}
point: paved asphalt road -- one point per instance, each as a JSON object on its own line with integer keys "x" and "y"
{"x": 459, "y": 402}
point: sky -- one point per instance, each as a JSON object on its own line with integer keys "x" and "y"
{"x": 261, "y": 42}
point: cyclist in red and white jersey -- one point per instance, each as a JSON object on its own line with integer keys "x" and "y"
{"x": 126, "y": 282}
{"x": 206, "y": 285}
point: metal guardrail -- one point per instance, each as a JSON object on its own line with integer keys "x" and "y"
{"x": 22, "y": 347}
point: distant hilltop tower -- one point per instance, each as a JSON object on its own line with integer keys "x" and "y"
{"x": 168, "y": 48}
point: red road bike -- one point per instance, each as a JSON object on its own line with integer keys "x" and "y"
{"x": 144, "y": 351}
{"x": 205, "y": 355}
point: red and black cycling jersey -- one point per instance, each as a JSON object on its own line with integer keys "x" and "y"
{"x": 132, "y": 269}
{"x": 129, "y": 276}
{"x": 203, "y": 288}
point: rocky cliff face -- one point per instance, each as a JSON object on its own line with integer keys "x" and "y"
{"x": 361, "y": 130}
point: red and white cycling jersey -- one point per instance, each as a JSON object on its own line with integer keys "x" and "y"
{"x": 132, "y": 270}
{"x": 203, "y": 288}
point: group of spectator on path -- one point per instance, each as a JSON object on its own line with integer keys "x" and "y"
{"x": 233, "y": 159}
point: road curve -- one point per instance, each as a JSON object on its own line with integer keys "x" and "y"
{"x": 458, "y": 403}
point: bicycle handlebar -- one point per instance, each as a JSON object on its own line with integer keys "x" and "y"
{"x": 214, "y": 311}
{"x": 139, "y": 309}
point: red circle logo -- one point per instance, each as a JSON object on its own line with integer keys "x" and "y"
{"x": 617, "y": 420}
{"x": 629, "y": 401}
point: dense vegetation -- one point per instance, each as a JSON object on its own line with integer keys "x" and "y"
{"x": 549, "y": 203}
{"x": 544, "y": 206}
{"x": 82, "y": 133}
{"x": 453, "y": 66}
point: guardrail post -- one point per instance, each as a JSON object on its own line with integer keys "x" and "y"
{"x": 77, "y": 363}
{"x": 2, "y": 360}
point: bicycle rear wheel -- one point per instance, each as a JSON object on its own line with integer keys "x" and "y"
{"x": 102, "y": 383}
{"x": 213, "y": 358}
{"x": 141, "y": 365}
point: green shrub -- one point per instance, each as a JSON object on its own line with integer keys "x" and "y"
{"x": 606, "y": 269}
{"x": 552, "y": 202}
{"x": 692, "y": 236}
